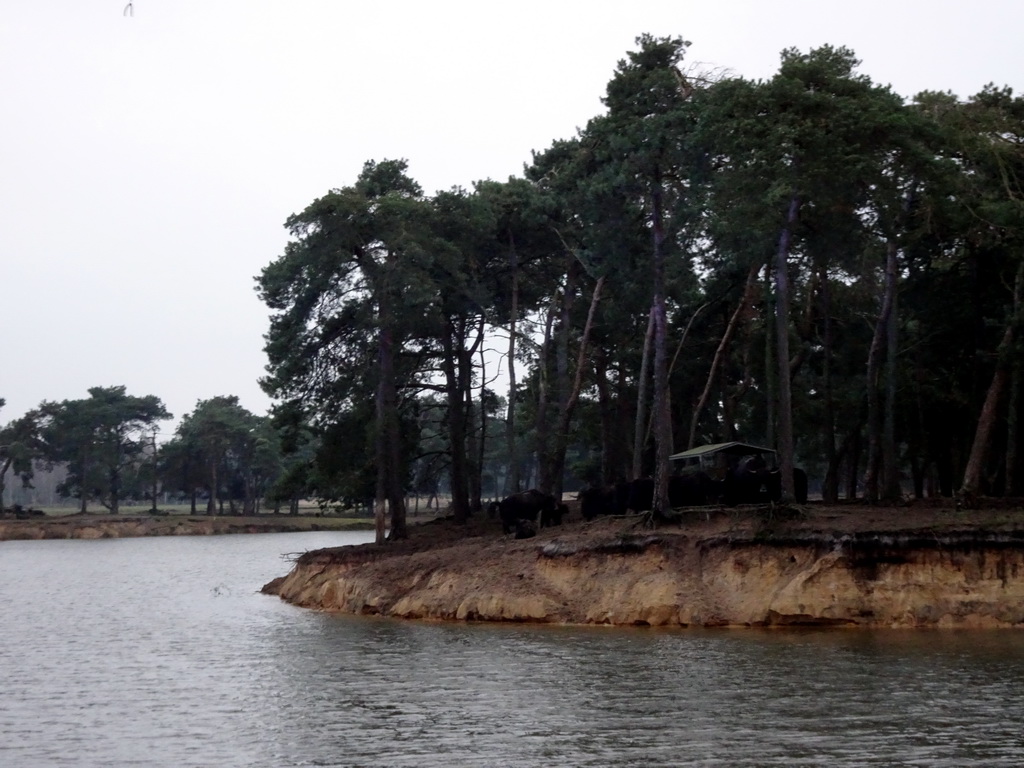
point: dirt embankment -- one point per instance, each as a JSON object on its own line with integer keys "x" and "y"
{"x": 89, "y": 526}
{"x": 852, "y": 565}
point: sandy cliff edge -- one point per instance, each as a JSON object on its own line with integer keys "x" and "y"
{"x": 855, "y": 566}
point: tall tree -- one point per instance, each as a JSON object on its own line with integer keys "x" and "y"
{"x": 523, "y": 231}
{"x": 992, "y": 124}
{"x": 100, "y": 439}
{"x": 602, "y": 234}
{"x": 346, "y": 295}
{"x": 646, "y": 135}
{"x": 180, "y": 467}
{"x": 221, "y": 431}
{"x": 461, "y": 255}
{"x": 20, "y": 446}
{"x": 792, "y": 154}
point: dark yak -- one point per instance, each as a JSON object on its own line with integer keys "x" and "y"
{"x": 520, "y": 512}
{"x": 606, "y": 500}
{"x": 694, "y": 489}
{"x": 752, "y": 481}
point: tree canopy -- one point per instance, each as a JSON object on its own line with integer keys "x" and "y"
{"x": 782, "y": 241}
{"x": 810, "y": 262}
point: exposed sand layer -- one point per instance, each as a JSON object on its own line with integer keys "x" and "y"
{"x": 851, "y": 565}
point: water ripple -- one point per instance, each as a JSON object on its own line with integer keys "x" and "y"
{"x": 154, "y": 652}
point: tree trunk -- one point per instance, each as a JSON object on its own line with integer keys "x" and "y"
{"x": 661, "y": 416}
{"x": 512, "y": 476}
{"x": 565, "y": 417}
{"x": 720, "y": 352}
{"x": 769, "y": 358}
{"x": 456, "y": 422}
{"x": 607, "y": 408}
{"x": 733, "y": 395}
{"x": 541, "y": 430}
{"x": 390, "y": 494}
{"x": 971, "y": 486}
{"x": 480, "y": 447}
{"x": 249, "y": 502}
{"x": 464, "y": 357}
{"x": 682, "y": 339}
{"x": 83, "y": 499}
{"x": 551, "y": 474}
{"x": 1012, "y": 484}
{"x": 115, "y": 477}
{"x": 890, "y": 459}
{"x": 211, "y": 504}
{"x": 3, "y": 484}
{"x": 923, "y": 440}
{"x": 875, "y": 415}
{"x": 382, "y": 451}
{"x": 830, "y": 484}
{"x": 640, "y": 426}
{"x": 785, "y": 409}
{"x": 545, "y": 479}
{"x": 155, "y": 474}
{"x": 853, "y": 465}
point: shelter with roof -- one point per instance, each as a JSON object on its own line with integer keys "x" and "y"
{"x": 716, "y": 459}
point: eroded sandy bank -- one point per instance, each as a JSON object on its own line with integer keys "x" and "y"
{"x": 924, "y": 569}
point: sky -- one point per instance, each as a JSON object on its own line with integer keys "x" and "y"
{"x": 149, "y": 156}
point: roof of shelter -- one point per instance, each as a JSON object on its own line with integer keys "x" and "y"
{"x": 732, "y": 449}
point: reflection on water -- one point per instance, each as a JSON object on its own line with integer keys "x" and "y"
{"x": 161, "y": 652}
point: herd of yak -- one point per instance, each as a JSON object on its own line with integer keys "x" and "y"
{"x": 750, "y": 481}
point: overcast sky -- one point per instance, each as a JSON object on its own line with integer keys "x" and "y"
{"x": 148, "y": 162}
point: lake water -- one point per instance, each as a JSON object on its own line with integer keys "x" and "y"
{"x": 161, "y": 652}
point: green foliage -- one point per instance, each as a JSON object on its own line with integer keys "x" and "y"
{"x": 20, "y": 446}
{"x": 680, "y": 190}
{"x": 238, "y": 451}
{"x": 101, "y": 440}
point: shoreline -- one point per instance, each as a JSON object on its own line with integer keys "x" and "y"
{"x": 107, "y": 526}
{"x": 854, "y": 566}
